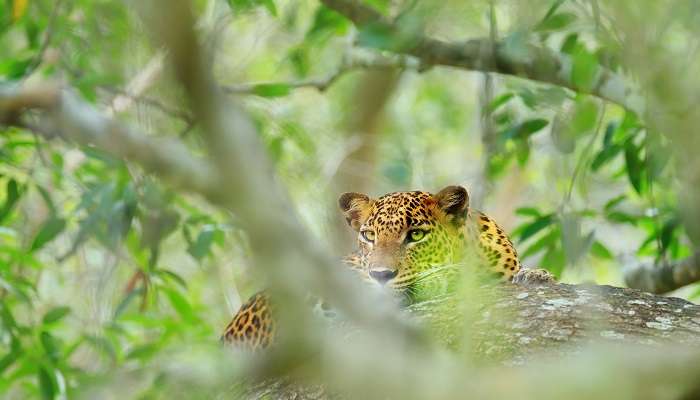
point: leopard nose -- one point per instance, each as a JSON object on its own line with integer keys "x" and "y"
{"x": 383, "y": 275}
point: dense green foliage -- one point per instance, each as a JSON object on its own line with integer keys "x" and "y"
{"x": 103, "y": 267}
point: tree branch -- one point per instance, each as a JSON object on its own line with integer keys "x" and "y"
{"x": 664, "y": 278}
{"x": 281, "y": 249}
{"x": 352, "y": 62}
{"x": 526, "y": 61}
{"x": 81, "y": 123}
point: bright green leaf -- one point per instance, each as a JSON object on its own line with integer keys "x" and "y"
{"x": 271, "y": 89}
{"x": 181, "y": 305}
{"x": 584, "y": 71}
{"x": 599, "y": 250}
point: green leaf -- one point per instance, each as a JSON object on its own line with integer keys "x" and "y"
{"x": 12, "y": 195}
{"x": 122, "y": 306}
{"x": 143, "y": 351}
{"x": 377, "y": 35}
{"x": 499, "y": 101}
{"x": 599, "y": 250}
{"x": 528, "y": 211}
{"x": 667, "y": 233}
{"x": 271, "y": 89}
{"x": 584, "y": 70}
{"x": 554, "y": 261}
{"x": 524, "y": 129}
{"x": 612, "y": 203}
{"x": 201, "y": 246}
{"x": 47, "y": 199}
{"x": 8, "y": 360}
{"x": 181, "y": 305}
{"x": 270, "y": 5}
{"x": 55, "y": 314}
{"x": 174, "y": 277}
{"x": 536, "y": 226}
{"x": 570, "y": 44}
{"x": 51, "y": 228}
{"x": 242, "y": 5}
{"x": 605, "y": 155}
{"x": 50, "y": 345}
{"x": 46, "y": 384}
{"x": 556, "y": 22}
{"x": 555, "y": 6}
{"x": 326, "y": 22}
{"x": 621, "y": 217}
{"x": 531, "y": 126}
{"x": 634, "y": 165}
{"x": 549, "y": 240}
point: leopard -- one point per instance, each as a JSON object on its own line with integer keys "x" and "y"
{"x": 402, "y": 238}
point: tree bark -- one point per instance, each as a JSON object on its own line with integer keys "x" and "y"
{"x": 520, "y": 323}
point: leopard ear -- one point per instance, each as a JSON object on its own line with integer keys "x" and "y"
{"x": 454, "y": 202}
{"x": 355, "y": 208}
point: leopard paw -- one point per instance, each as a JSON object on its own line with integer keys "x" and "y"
{"x": 533, "y": 277}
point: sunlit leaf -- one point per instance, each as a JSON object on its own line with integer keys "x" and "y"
{"x": 271, "y": 89}
{"x": 584, "y": 71}
{"x": 181, "y": 305}
{"x": 599, "y": 250}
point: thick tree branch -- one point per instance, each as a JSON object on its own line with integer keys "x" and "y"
{"x": 250, "y": 189}
{"x": 525, "y": 61}
{"x": 665, "y": 278}
{"x": 516, "y": 325}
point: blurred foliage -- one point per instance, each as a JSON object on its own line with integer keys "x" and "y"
{"x": 102, "y": 266}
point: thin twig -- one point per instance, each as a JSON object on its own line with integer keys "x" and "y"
{"x": 350, "y": 63}
{"x": 150, "y": 101}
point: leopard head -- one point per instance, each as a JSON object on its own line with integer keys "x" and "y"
{"x": 401, "y": 236}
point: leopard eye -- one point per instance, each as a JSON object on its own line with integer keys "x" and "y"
{"x": 415, "y": 235}
{"x": 368, "y": 236}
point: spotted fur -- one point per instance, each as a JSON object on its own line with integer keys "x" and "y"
{"x": 449, "y": 229}
{"x": 252, "y": 325}
{"x": 387, "y": 255}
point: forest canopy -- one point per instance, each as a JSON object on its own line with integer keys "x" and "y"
{"x": 162, "y": 161}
